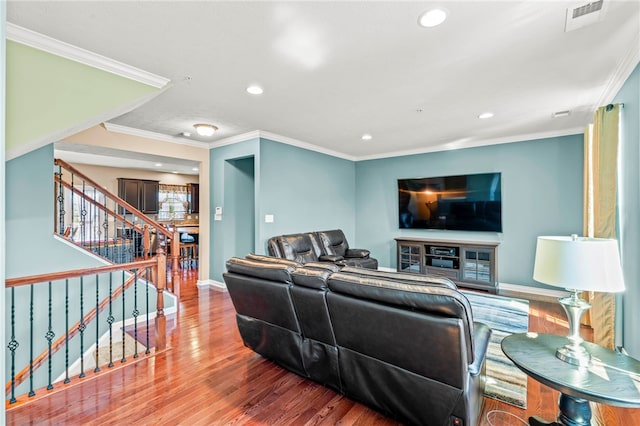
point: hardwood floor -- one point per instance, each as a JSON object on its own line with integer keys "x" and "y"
{"x": 209, "y": 378}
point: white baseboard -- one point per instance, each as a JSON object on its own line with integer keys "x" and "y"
{"x": 537, "y": 291}
{"x": 212, "y": 284}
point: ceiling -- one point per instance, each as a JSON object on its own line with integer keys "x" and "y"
{"x": 333, "y": 71}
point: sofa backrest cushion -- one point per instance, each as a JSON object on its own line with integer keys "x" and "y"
{"x": 269, "y": 271}
{"x": 404, "y": 277}
{"x": 436, "y": 300}
{"x": 272, "y": 259}
{"x": 311, "y": 277}
{"x": 273, "y": 247}
{"x": 333, "y": 242}
{"x": 299, "y": 247}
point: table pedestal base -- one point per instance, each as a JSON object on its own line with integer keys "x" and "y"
{"x": 573, "y": 412}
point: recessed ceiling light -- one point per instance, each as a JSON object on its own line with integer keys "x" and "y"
{"x": 158, "y": 164}
{"x": 175, "y": 172}
{"x": 186, "y": 134}
{"x": 486, "y": 115}
{"x": 432, "y": 18}
{"x": 205, "y": 129}
{"x": 195, "y": 169}
{"x": 559, "y": 114}
{"x": 367, "y": 137}
{"x": 255, "y": 90}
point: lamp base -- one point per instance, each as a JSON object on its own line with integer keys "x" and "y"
{"x": 573, "y": 352}
{"x": 574, "y": 355}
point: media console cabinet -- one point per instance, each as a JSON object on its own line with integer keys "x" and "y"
{"x": 469, "y": 264}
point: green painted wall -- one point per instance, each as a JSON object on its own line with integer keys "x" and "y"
{"x": 47, "y": 93}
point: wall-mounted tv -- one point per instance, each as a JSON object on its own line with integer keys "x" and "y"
{"x": 463, "y": 203}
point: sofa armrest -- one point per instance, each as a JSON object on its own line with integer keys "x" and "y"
{"x": 361, "y": 253}
{"x": 330, "y": 258}
{"x": 481, "y": 337}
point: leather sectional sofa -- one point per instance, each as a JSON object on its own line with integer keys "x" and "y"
{"x": 404, "y": 345}
{"x": 323, "y": 246}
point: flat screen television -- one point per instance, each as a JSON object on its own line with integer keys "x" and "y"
{"x": 462, "y": 203}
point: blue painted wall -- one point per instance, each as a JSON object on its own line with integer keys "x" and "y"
{"x": 630, "y": 210}
{"x": 541, "y": 195}
{"x": 304, "y": 191}
{"x": 30, "y": 219}
{"x": 223, "y": 232}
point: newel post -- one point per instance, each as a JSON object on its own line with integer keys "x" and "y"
{"x": 146, "y": 242}
{"x": 161, "y": 283}
{"x": 175, "y": 262}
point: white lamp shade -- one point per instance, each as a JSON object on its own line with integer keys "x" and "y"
{"x": 585, "y": 264}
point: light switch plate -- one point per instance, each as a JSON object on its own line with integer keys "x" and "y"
{"x": 268, "y": 218}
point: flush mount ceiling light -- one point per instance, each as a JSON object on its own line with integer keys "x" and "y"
{"x": 432, "y": 18}
{"x": 255, "y": 90}
{"x": 485, "y": 115}
{"x": 205, "y": 129}
{"x": 367, "y": 137}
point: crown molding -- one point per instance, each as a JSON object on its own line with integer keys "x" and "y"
{"x": 305, "y": 145}
{"x": 56, "y": 47}
{"x": 235, "y": 139}
{"x": 279, "y": 138}
{"x": 620, "y": 75}
{"x": 132, "y": 131}
{"x": 450, "y": 146}
{"x": 255, "y": 134}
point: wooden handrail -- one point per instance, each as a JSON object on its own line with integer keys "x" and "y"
{"x": 99, "y": 205}
{"x": 56, "y": 276}
{"x": 115, "y": 198}
{"x": 172, "y": 235}
{"x": 59, "y": 343}
{"x": 158, "y": 266}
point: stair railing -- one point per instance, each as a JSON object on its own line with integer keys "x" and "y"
{"x": 97, "y": 220}
{"x": 48, "y": 302}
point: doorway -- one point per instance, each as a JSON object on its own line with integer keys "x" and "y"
{"x": 239, "y": 203}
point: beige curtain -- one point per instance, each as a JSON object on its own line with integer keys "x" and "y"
{"x": 600, "y": 207}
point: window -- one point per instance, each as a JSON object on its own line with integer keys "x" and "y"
{"x": 173, "y": 202}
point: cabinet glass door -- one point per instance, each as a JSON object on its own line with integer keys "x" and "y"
{"x": 477, "y": 266}
{"x": 409, "y": 258}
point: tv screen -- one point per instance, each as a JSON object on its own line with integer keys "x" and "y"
{"x": 463, "y": 203}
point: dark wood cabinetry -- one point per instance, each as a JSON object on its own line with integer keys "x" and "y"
{"x": 193, "y": 194}
{"x": 140, "y": 193}
{"x": 468, "y": 264}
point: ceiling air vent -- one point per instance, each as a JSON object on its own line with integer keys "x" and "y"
{"x": 583, "y": 15}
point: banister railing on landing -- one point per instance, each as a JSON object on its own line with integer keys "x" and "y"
{"x": 105, "y": 224}
{"x": 49, "y": 294}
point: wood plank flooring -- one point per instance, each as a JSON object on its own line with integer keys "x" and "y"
{"x": 209, "y": 378}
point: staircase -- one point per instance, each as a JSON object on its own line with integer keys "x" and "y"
{"x": 59, "y": 317}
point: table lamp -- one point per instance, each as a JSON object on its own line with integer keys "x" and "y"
{"x": 577, "y": 264}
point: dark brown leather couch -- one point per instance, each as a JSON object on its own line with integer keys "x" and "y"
{"x": 405, "y": 345}
{"x": 320, "y": 246}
